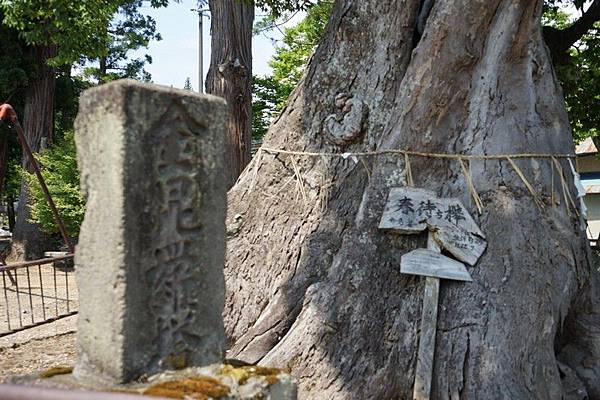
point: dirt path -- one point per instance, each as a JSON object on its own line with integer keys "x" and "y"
{"x": 34, "y": 294}
{"x": 37, "y": 349}
{"x": 37, "y": 355}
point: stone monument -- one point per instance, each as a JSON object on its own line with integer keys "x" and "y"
{"x": 151, "y": 250}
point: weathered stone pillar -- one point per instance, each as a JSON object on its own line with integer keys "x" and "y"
{"x": 152, "y": 245}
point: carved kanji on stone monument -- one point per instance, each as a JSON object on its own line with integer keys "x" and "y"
{"x": 152, "y": 245}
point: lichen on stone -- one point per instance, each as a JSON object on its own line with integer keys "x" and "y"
{"x": 54, "y": 371}
{"x": 242, "y": 374}
{"x": 198, "y": 388}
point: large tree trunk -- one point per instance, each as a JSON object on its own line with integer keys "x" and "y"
{"x": 230, "y": 75}
{"x": 314, "y": 285}
{"x": 28, "y": 240}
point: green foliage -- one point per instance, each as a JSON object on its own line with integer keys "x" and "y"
{"x": 75, "y": 27}
{"x": 15, "y": 66}
{"x": 299, "y": 42}
{"x": 277, "y": 8}
{"x": 268, "y": 96}
{"x": 580, "y": 77}
{"x": 66, "y": 101}
{"x": 270, "y": 93}
{"x": 129, "y": 31}
{"x": 59, "y": 168}
{"x": 12, "y": 182}
{"x": 78, "y": 28}
{"x": 580, "y": 81}
{"x": 556, "y": 18}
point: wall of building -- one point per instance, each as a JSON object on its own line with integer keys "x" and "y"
{"x": 592, "y": 201}
{"x": 589, "y": 163}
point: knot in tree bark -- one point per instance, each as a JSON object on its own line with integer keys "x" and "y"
{"x": 233, "y": 67}
{"x": 346, "y": 124}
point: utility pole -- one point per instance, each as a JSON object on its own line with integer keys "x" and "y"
{"x": 200, "y": 48}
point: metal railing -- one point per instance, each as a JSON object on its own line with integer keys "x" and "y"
{"x": 37, "y": 292}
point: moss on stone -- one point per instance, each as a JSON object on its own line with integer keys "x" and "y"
{"x": 242, "y": 374}
{"x": 199, "y": 388}
{"x": 54, "y": 371}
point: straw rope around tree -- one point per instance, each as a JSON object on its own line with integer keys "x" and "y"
{"x": 464, "y": 161}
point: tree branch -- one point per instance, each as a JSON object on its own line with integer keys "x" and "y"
{"x": 559, "y": 41}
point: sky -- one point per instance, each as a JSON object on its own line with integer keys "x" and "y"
{"x": 175, "y": 58}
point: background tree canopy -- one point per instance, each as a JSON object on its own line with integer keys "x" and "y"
{"x": 99, "y": 34}
{"x": 270, "y": 93}
{"x": 579, "y": 74}
{"x": 578, "y": 68}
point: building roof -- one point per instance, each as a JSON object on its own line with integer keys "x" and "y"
{"x": 586, "y": 147}
{"x": 591, "y": 182}
{"x": 592, "y": 189}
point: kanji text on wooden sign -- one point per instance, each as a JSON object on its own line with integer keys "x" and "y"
{"x": 413, "y": 210}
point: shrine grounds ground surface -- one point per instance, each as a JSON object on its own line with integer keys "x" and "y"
{"x": 15, "y": 300}
{"x": 37, "y": 349}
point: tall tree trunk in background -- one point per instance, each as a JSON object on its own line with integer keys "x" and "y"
{"x": 314, "y": 285}
{"x": 230, "y": 75}
{"x": 4, "y": 143}
{"x": 28, "y": 239}
{"x": 102, "y": 68}
{"x": 3, "y": 161}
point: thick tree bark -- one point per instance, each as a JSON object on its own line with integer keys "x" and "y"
{"x": 3, "y": 161}
{"x": 314, "y": 285}
{"x": 102, "y": 69}
{"x": 28, "y": 240}
{"x": 230, "y": 75}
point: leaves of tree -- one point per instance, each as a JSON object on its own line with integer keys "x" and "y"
{"x": 76, "y": 28}
{"x": 62, "y": 177}
{"x": 288, "y": 63}
{"x": 129, "y": 31}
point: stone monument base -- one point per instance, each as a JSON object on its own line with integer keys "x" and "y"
{"x": 218, "y": 381}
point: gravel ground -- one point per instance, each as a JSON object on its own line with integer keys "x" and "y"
{"x": 37, "y": 349}
{"x": 32, "y": 295}
{"x": 35, "y": 294}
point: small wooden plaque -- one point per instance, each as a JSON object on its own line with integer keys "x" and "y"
{"x": 430, "y": 263}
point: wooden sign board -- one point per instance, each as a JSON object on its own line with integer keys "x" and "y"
{"x": 431, "y": 263}
{"x": 412, "y": 210}
{"x": 463, "y": 245}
